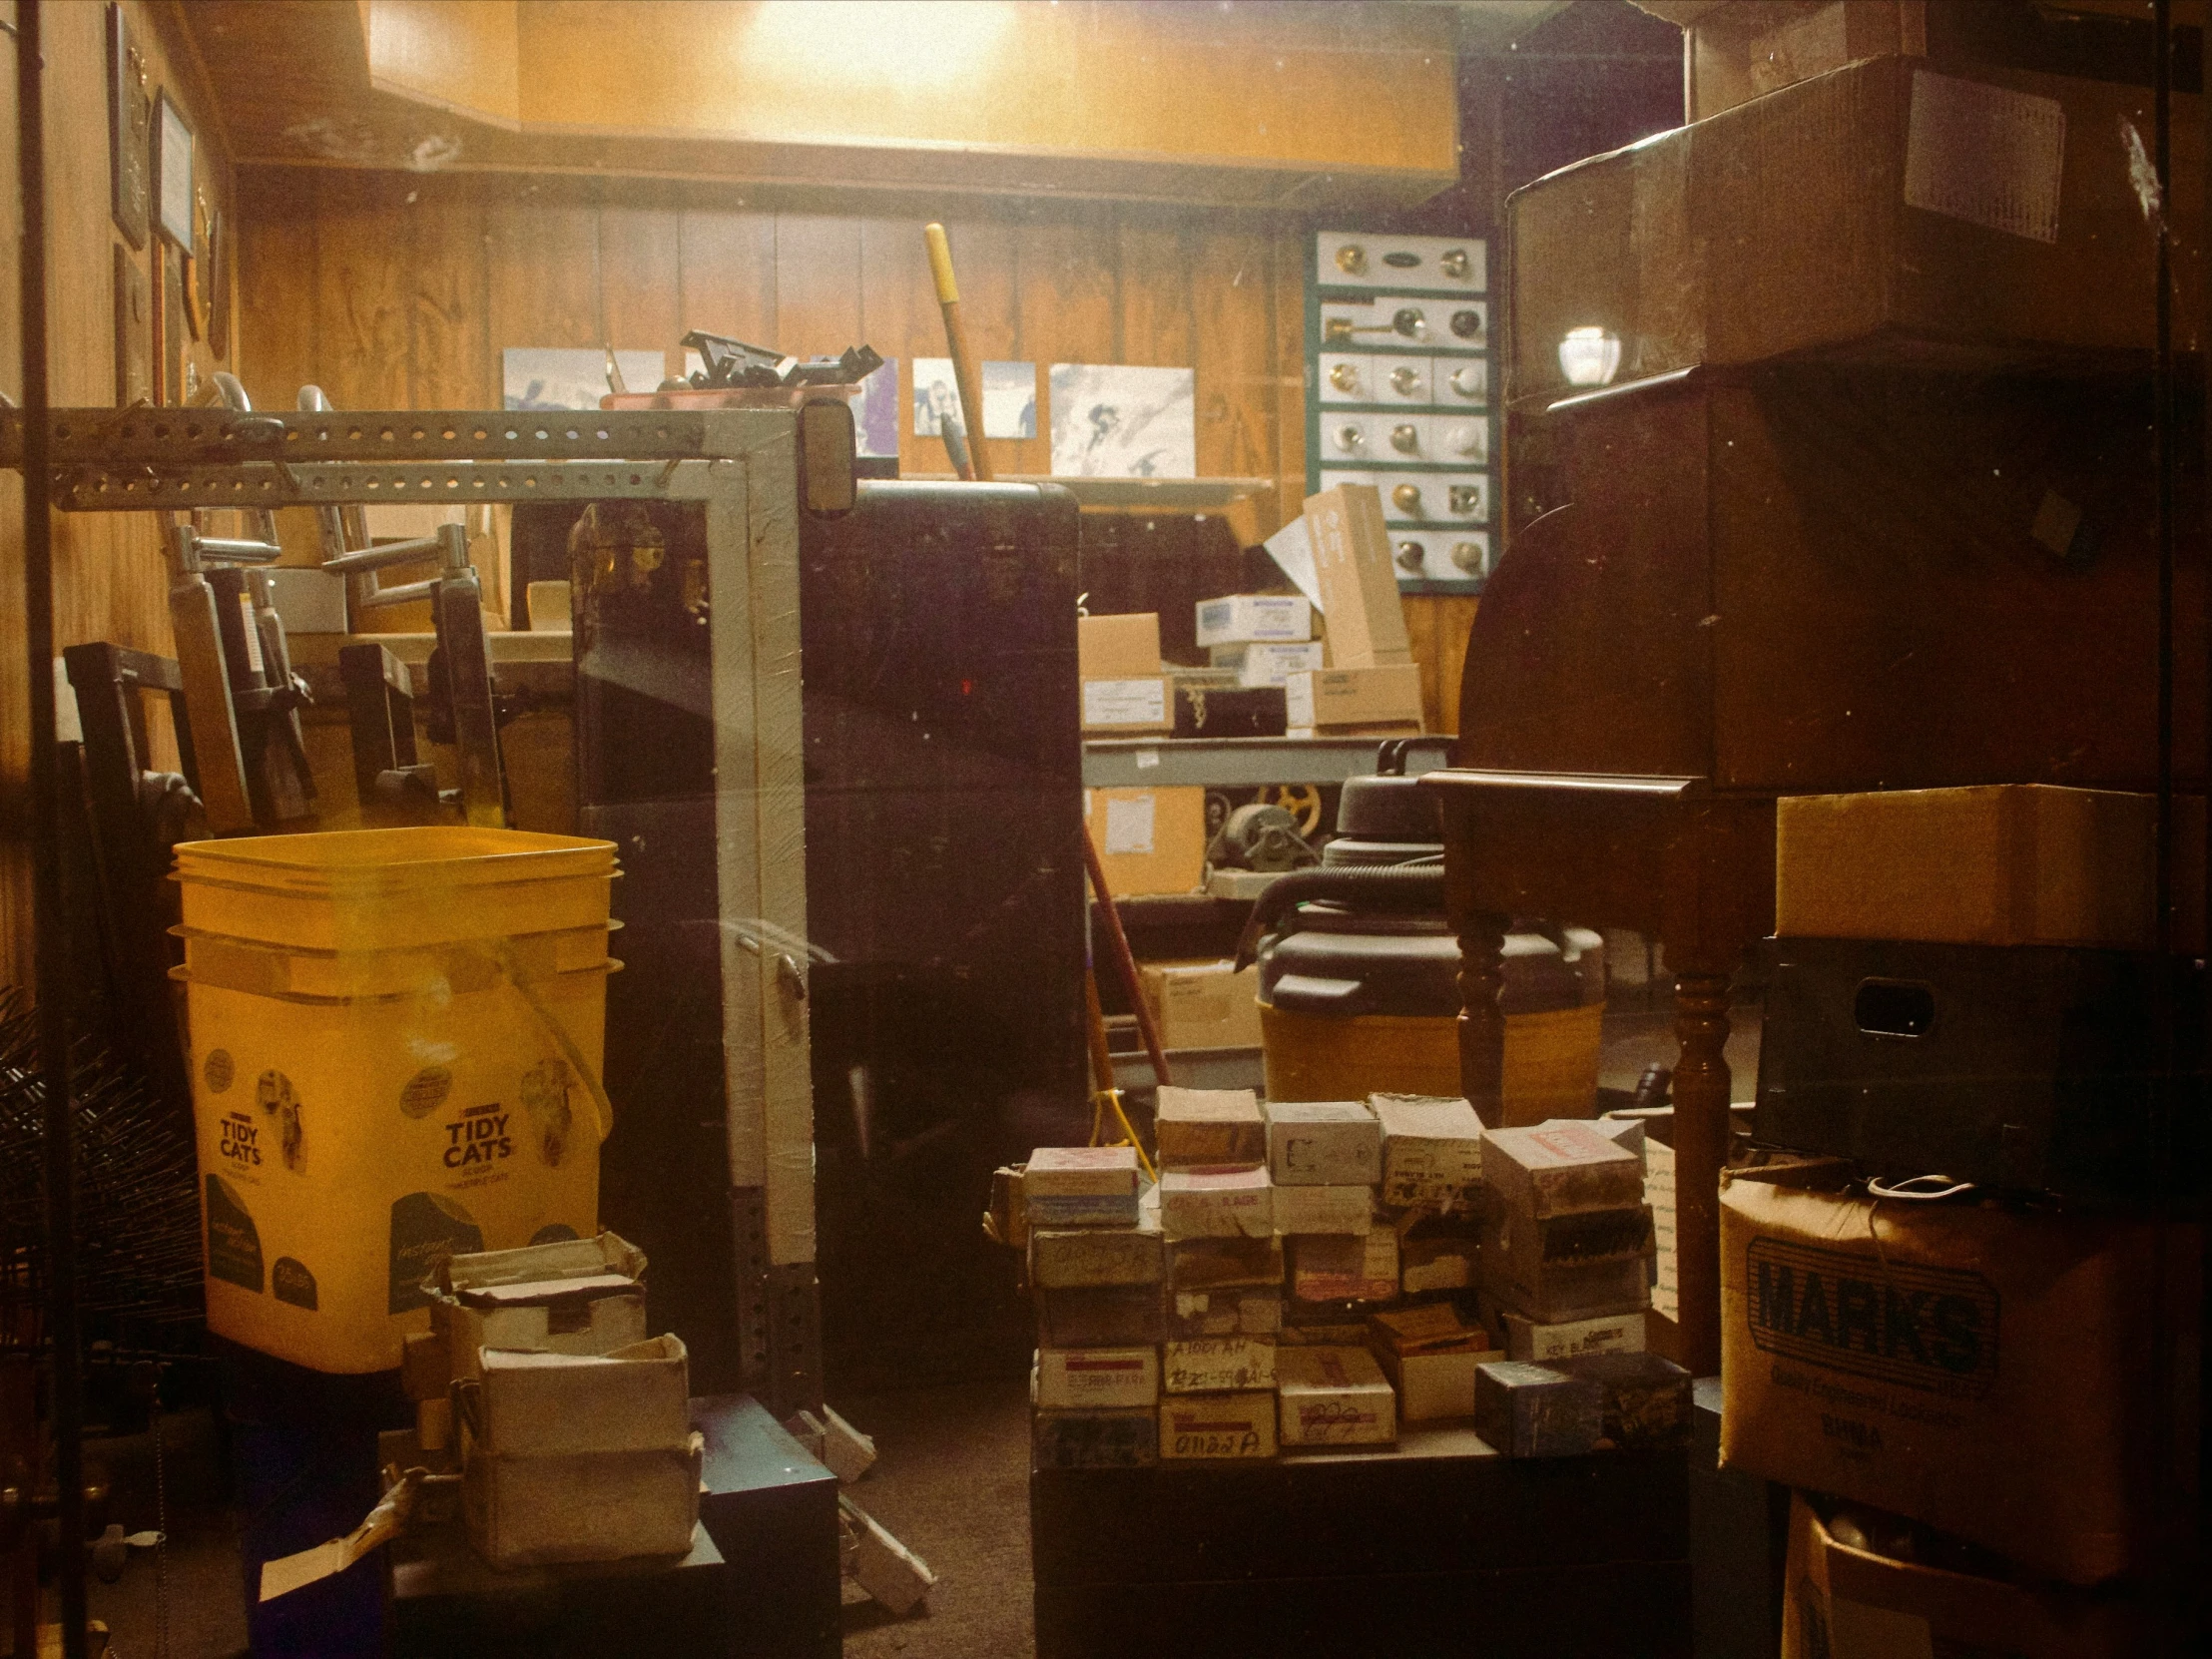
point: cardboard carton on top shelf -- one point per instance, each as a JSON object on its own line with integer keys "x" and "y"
{"x": 1251, "y": 618}
{"x": 1353, "y": 567}
{"x": 1125, "y": 647}
{"x": 1134, "y": 706}
{"x": 1338, "y": 701}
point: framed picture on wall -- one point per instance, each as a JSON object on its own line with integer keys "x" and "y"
{"x": 130, "y": 123}
{"x": 171, "y": 171}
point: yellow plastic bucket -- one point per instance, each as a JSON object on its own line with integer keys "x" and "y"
{"x": 365, "y": 1112}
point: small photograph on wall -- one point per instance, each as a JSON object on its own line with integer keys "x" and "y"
{"x": 572, "y": 378}
{"x": 1113, "y": 422}
{"x": 875, "y": 411}
{"x": 1009, "y": 398}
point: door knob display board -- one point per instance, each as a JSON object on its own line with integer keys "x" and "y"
{"x": 1398, "y": 354}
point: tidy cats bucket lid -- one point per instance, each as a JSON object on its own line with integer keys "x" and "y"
{"x": 379, "y": 863}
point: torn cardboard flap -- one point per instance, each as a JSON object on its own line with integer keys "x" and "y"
{"x": 332, "y": 1557}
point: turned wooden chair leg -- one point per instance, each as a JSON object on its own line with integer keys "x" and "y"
{"x": 1701, "y": 1131}
{"x": 1481, "y": 1021}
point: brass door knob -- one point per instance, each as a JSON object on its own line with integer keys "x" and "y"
{"x": 1468, "y": 555}
{"x": 1343, "y": 377}
{"x": 1468, "y": 380}
{"x": 1463, "y": 439}
{"x": 1467, "y": 325}
{"x": 1454, "y": 262}
{"x": 1350, "y": 437}
{"x": 1411, "y": 556}
{"x": 1405, "y": 438}
{"x": 1351, "y": 259}
{"x": 1406, "y": 499}
{"x": 1406, "y": 379}
{"x": 1408, "y": 321}
{"x": 1466, "y": 499}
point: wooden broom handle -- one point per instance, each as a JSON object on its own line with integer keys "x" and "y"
{"x": 956, "y": 339}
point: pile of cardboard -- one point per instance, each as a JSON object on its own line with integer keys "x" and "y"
{"x": 1370, "y": 684}
{"x": 1305, "y": 1274}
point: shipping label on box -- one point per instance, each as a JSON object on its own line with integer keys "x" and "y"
{"x": 1527, "y": 1339}
{"x": 1549, "y": 1169}
{"x": 1217, "y": 1203}
{"x": 1331, "y": 1268}
{"x": 1100, "y": 1316}
{"x": 1197, "y": 1127}
{"x": 1244, "y": 618}
{"x": 1334, "y": 1397}
{"x": 1242, "y": 1312}
{"x": 1094, "y": 1256}
{"x": 1095, "y": 1440}
{"x": 1225, "y": 1263}
{"x": 1217, "y": 1364}
{"x": 1324, "y": 1209}
{"x": 1353, "y": 567}
{"x": 1432, "y": 1150}
{"x": 1205, "y": 1006}
{"x": 1074, "y": 1379}
{"x": 1353, "y": 699}
{"x": 1324, "y": 1143}
{"x": 1974, "y": 1368}
{"x": 1209, "y": 1426}
{"x": 1120, "y": 708}
{"x": 1117, "y": 647}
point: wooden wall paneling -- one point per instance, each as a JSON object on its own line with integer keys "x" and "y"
{"x": 641, "y": 281}
{"x": 1234, "y": 350}
{"x": 986, "y": 255}
{"x": 275, "y": 334}
{"x": 1420, "y": 636}
{"x": 817, "y": 283}
{"x": 899, "y": 318}
{"x": 448, "y": 280}
{"x": 1288, "y": 300}
{"x": 726, "y": 268}
{"x": 364, "y": 337}
{"x": 1455, "y": 617}
{"x": 1070, "y": 276}
{"x": 544, "y": 270}
{"x": 1156, "y": 325}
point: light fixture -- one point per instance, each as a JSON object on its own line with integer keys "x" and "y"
{"x": 1590, "y": 357}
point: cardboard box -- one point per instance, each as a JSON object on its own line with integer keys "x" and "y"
{"x": 1539, "y": 1269}
{"x": 1536, "y": 1412}
{"x": 1216, "y": 1203}
{"x": 1217, "y": 1364}
{"x": 1225, "y": 1263}
{"x": 1062, "y": 1259}
{"x": 1332, "y": 1268}
{"x": 1349, "y": 700}
{"x": 636, "y": 1399}
{"x": 1134, "y": 707}
{"x": 1237, "y": 1313}
{"x": 1125, "y": 647}
{"x": 1204, "y": 1427}
{"x": 1850, "y": 1603}
{"x": 1244, "y": 618}
{"x": 1213, "y": 705}
{"x": 1204, "y": 1005}
{"x": 1149, "y": 841}
{"x": 2006, "y": 863}
{"x": 1430, "y": 1354}
{"x": 1269, "y": 663}
{"x": 578, "y": 1296}
{"x": 1345, "y": 1210}
{"x": 1095, "y": 1440}
{"x": 1558, "y": 1168}
{"x": 1097, "y": 1379}
{"x": 1334, "y": 1397}
{"x": 1536, "y": 1342}
{"x": 1647, "y": 1398}
{"x": 1441, "y": 1264}
{"x": 1081, "y": 1186}
{"x": 1100, "y": 1316}
{"x": 593, "y": 1506}
{"x": 1353, "y": 567}
{"x": 1432, "y": 1150}
{"x": 1903, "y": 212}
{"x": 1983, "y": 1370}
{"x": 1200, "y": 1127}
{"x": 1324, "y": 1143}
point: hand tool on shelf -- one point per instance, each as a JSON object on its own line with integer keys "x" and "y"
{"x": 963, "y": 357}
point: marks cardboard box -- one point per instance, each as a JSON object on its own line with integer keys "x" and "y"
{"x": 636, "y": 1399}
{"x": 1124, "y": 646}
{"x": 1217, "y": 1364}
{"x": 1061, "y": 1259}
{"x": 1324, "y": 1143}
{"x": 1440, "y": 1264}
{"x": 1851, "y": 1603}
{"x": 1983, "y": 1370}
{"x": 1332, "y": 1268}
{"x": 1334, "y": 1397}
{"x": 1076, "y": 1378}
{"x": 1432, "y": 1149}
{"x": 2008, "y": 863}
{"x": 584, "y": 1507}
{"x": 1536, "y": 1412}
{"x": 1205, "y": 1006}
{"x": 1199, "y": 1427}
{"x": 1242, "y": 618}
{"x": 1128, "y": 1440}
{"x": 1196, "y": 1127}
{"x": 1324, "y": 1209}
{"x": 1149, "y": 841}
{"x": 1217, "y": 1203}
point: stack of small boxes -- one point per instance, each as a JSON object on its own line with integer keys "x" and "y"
{"x": 1095, "y": 1265}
